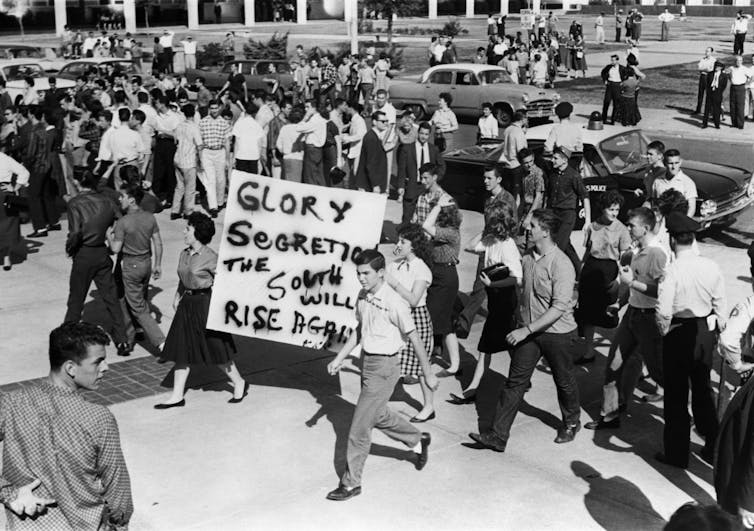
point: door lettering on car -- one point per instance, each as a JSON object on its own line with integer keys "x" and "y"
{"x": 596, "y": 188}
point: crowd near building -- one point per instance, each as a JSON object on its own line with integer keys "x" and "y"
{"x": 118, "y": 156}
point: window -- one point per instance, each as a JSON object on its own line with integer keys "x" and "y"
{"x": 466, "y": 78}
{"x": 624, "y": 152}
{"x": 263, "y": 67}
{"x": 592, "y": 164}
{"x": 18, "y": 72}
{"x": 494, "y": 77}
{"x": 442, "y": 77}
{"x": 74, "y": 70}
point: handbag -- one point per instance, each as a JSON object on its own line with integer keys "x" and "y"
{"x": 497, "y": 272}
{"x": 440, "y": 142}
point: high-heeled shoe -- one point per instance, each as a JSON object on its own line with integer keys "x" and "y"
{"x": 235, "y": 400}
{"x": 461, "y": 400}
{"x": 180, "y": 403}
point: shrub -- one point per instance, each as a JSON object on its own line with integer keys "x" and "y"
{"x": 275, "y": 48}
{"x": 452, "y": 28}
{"x": 211, "y": 54}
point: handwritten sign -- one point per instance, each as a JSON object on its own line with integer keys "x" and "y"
{"x": 285, "y": 270}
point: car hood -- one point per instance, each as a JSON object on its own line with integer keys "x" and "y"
{"x": 475, "y": 153}
{"x": 531, "y": 91}
{"x": 716, "y": 181}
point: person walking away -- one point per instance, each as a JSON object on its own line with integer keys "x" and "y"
{"x": 44, "y": 164}
{"x": 248, "y": 144}
{"x": 290, "y": 146}
{"x": 628, "y": 111}
{"x": 514, "y": 140}
{"x": 90, "y": 215}
{"x": 599, "y": 29}
{"x": 186, "y": 161}
{"x": 705, "y": 67}
{"x": 738, "y": 29}
{"x": 690, "y": 306}
{"x": 566, "y": 133}
{"x": 76, "y": 476}
{"x": 13, "y": 177}
{"x": 136, "y": 238}
{"x": 637, "y": 19}
{"x": 716, "y": 82}
{"x": 546, "y": 327}
{"x": 385, "y": 321}
{"x": 189, "y": 342}
{"x": 666, "y": 17}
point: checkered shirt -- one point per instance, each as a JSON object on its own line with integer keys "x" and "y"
{"x": 215, "y": 131}
{"x": 73, "y": 447}
{"x": 424, "y": 203}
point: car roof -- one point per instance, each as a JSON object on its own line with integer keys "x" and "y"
{"x": 588, "y": 136}
{"x": 7, "y": 46}
{"x": 21, "y": 61}
{"x": 474, "y": 67}
{"x": 100, "y": 60}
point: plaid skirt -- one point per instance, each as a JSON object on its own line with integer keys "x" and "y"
{"x": 409, "y": 362}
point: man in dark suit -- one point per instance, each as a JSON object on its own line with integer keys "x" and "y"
{"x": 410, "y": 159}
{"x": 612, "y": 75}
{"x": 372, "y": 171}
{"x": 716, "y": 83}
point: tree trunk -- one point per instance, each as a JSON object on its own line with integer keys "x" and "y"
{"x": 389, "y": 28}
{"x": 146, "y": 14}
{"x": 21, "y": 25}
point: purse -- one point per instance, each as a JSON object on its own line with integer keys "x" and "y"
{"x": 440, "y": 142}
{"x": 497, "y": 272}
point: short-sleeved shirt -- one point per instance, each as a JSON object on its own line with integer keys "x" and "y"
{"x": 680, "y": 182}
{"x": 565, "y": 189}
{"x": 608, "y": 241}
{"x": 407, "y": 272}
{"x": 534, "y": 183}
{"x": 237, "y": 82}
{"x": 548, "y": 282}
{"x": 648, "y": 266}
{"x": 502, "y": 252}
{"x": 446, "y": 245}
{"x": 135, "y": 230}
{"x": 385, "y": 318}
{"x": 196, "y": 269}
{"x": 249, "y": 135}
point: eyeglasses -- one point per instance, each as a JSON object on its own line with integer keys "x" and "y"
{"x": 383, "y": 121}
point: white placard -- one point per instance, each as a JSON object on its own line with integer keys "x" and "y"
{"x": 285, "y": 270}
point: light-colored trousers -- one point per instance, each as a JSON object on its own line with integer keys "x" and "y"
{"x": 185, "y": 188}
{"x": 214, "y": 163}
{"x": 190, "y": 60}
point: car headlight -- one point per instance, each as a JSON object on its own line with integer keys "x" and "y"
{"x": 750, "y": 188}
{"x": 525, "y": 97}
{"x": 707, "y": 208}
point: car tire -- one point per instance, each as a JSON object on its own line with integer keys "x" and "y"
{"x": 418, "y": 110}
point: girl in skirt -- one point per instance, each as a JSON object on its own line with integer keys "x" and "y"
{"x": 189, "y": 342}
{"x": 499, "y": 247}
{"x": 410, "y": 276}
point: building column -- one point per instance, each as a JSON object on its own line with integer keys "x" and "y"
{"x": 469, "y": 8}
{"x": 193, "y": 14}
{"x": 504, "y": 7}
{"x": 249, "y": 16}
{"x": 433, "y": 9}
{"x": 60, "y": 16}
{"x": 129, "y": 15}
{"x": 300, "y": 11}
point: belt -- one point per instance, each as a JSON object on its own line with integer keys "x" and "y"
{"x": 162, "y": 136}
{"x": 680, "y": 320}
{"x": 642, "y": 310}
{"x": 376, "y": 354}
{"x": 203, "y": 291}
{"x": 214, "y": 148}
{"x": 446, "y": 264}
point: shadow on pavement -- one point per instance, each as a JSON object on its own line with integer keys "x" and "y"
{"x": 615, "y": 503}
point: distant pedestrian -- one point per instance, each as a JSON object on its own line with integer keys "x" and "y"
{"x": 218, "y": 12}
{"x": 599, "y": 29}
{"x": 705, "y": 67}
{"x": 636, "y": 20}
{"x": 618, "y": 24}
{"x": 738, "y": 29}
{"x": 666, "y": 17}
{"x": 716, "y": 81}
{"x": 739, "y": 77}
{"x": 612, "y": 75}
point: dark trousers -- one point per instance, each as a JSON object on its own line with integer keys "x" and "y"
{"x": 738, "y": 43}
{"x": 556, "y": 348}
{"x": 612, "y": 95}
{"x": 163, "y": 184}
{"x": 167, "y": 55}
{"x": 409, "y": 207}
{"x": 326, "y": 94}
{"x": 248, "y": 166}
{"x": 312, "y": 172}
{"x": 93, "y": 263}
{"x": 687, "y": 358}
{"x": 713, "y": 107}
{"x": 513, "y": 181}
{"x": 617, "y": 34}
{"x": 42, "y": 196}
{"x": 563, "y": 237}
{"x": 476, "y": 299}
{"x": 701, "y": 90}
{"x": 738, "y": 105}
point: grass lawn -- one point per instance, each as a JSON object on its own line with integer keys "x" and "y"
{"x": 665, "y": 87}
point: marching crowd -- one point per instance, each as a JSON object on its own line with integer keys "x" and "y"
{"x": 112, "y": 153}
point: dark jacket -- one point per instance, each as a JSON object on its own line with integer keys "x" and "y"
{"x": 408, "y": 168}
{"x": 372, "y": 169}
{"x": 722, "y": 83}
{"x": 606, "y": 72}
{"x": 89, "y": 216}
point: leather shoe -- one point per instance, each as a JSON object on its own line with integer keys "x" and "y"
{"x": 38, "y": 234}
{"x": 489, "y": 440}
{"x": 180, "y": 403}
{"x": 461, "y": 400}
{"x": 235, "y": 400}
{"x": 659, "y": 456}
{"x": 423, "y": 457}
{"x": 567, "y": 433}
{"x": 124, "y": 349}
{"x": 55, "y": 226}
{"x": 417, "y": 420}
{"x": 603, "y": 424}
{"x": 343, "y": 494}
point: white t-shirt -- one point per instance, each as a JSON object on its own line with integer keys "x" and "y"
{"x": 680, "y": 182}
{"x": 249, "y": 135}
{"x": 406, "y": 273}
{"x": 502, "y": 252}
{"x": 189, "y": 47}
{"x": 288, "y": 143}
{"x": 488, "y": 126}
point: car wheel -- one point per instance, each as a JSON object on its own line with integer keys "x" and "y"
{"x": 417, "y": 110}
{"x": 504, "y": 114}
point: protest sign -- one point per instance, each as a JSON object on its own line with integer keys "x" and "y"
{"x": 285, "y": 270}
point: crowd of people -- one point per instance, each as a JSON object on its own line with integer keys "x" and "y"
{"x": 111, "y": 154}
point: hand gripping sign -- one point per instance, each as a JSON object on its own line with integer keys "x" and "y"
{"x": 285, "y": 270}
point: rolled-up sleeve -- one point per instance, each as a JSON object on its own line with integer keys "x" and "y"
{"x": 665, "y": 297}
{"x": 563, "y": 280}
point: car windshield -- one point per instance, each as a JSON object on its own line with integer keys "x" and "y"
{"x": 18, "y": 72}
{"x": 494, "y": 77}
{"x": 624, "y": 152}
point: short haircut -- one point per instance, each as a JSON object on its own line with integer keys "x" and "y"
{"x": 214, "y": 102}
{"x": 136, "y": 79}
{"x": 671, "y": 153}
{"x": 381, "y": 92}
{"x": 428, "y": 167}
{"x": 610, "y": 198}
{"x": 70, "y": 342}
{"x": 133, "y": 190}
{"x": 548, "y": 220}
{"x": 250, "y": 108}
{"x": 523, "y": 153}
{"x": 139, "y": 115}
{"x": 645, "y": 215}
{"x": 425, "y": 125}
{"x": 52, "y": 80}
{"x": 492, "y": 168}
{"x": 377, "y": 115}
{"x": 29, "y": 81}
{"x": 143, "y": 97}
{"x": 130, "y": 174}
{"x": 614, "y": 56}
{"x": 447, "y": 97}
{"x": 519, "y": 115}
{"x": 683, "y": 238}
{"x": 200, "y": 79}
{"x": 89, "y": 180}
{"x": 487, "y": 105}
{"x": 188, "y": 110}
{"x": 337, "y": 102}
{"x": 124, "y": 115}
{"x": 258, "y": 94}
{"x": 701, "y": 518}
{"x": 107, "y": 115}
{"x": 671, "y": 201}
{"x": 37, "y": 112}
{"x": 370, "y": 257}
{"x": 204, "y": 228}
{"x": 657, "y": 146}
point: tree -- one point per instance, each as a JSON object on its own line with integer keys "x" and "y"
{"x": 146, "y": 4}
{"x": 16, "y": 8}
{"x": 388, "y": 8}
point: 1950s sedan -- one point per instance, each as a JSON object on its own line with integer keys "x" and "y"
{"x": 613, "y": 159}
{"x": 470, "y": 85}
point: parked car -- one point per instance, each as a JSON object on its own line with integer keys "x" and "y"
{"x": 257, "y": 72}
{"x": 79, "y": 67}
{"x": 613, "y": 158}
{"x": 14, "y": 71}
{"x": 471, "y": 85}
{"x": 47, "y": 57}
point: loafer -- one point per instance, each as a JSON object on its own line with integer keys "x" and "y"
{"x": 417, "y": 420}
{"x": 55, "y": 226}
{"x": 423, "y": 457}
{"x": 38, "y": 234}
{"x": 124, "y": 349}
{"x": 180, "y": 403}
{"x": 662, "y": 458}
{"x": 567, "y": 433}
{"x": 603, "y": 424}
{"x": 489, "y": 440}
{"x": 343, "y": 494}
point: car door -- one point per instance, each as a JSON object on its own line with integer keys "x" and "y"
{"x": 466, "y": 93}
{"x": 253, "y": 75}
{"x": 437, "y": 82}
